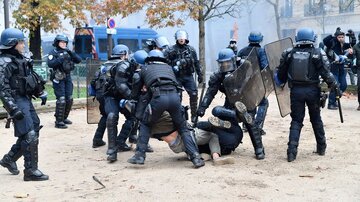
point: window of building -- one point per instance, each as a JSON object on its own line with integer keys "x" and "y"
{"x": 288, "y": 9}
{"x": 314, "y": 8}
{"x": 346, "y": 6}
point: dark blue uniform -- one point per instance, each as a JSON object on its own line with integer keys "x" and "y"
{"x": 160, "y": 80}
{"x": 301, "y": 67}
{"x": 18, "y": 84}
{"x": 216, "y": 84}
{"x": 185, "y": 59}
{"x": 61, "y": 61}
{"x": 264, "y": 104}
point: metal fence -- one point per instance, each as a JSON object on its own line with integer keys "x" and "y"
{"x": 78, "y": 75}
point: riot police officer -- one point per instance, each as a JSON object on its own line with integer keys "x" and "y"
{"x": 183, "y": 58}
{"x": 301, "y": 67}
{"x": 227, "y": 64}
{"x": 61, "y": 61}
{"x": 117, "y": 75}
{"x": 18, "y": 85}
{"x": 232, "y": 46}
{"x": 255, "y": 38}
{"x": 160, "y": 81}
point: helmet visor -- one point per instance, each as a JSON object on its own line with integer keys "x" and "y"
{"x": 226, "y": 66}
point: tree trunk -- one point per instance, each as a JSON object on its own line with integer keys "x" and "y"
{"x": 277, "y": 18}
{"x": 202, "y": 45}
{"x": 35, "y": 35}
{"x": 35, "y": 43}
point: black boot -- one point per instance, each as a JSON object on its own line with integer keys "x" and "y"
{"x": 68, "y": 106}
{"x": 292, "y": 151}
{"x": 242, "y": 113}
{"x": 60, "y": 113}
{"x": 34, "y": 175}
{"x": 122, "y": 147}
{"x": 98, "y": 143}
{"x": 320, "y": 149}
{"x": 149, "y": 149}
{"x": 30, "y": 150}
{"x": 197, "y": 160}
{"x": 138, "y": 158}
{"x": 256, "y": 141}
{"x": 10, "y": 164}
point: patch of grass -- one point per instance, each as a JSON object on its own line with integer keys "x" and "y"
{"x": 77, "y": 92}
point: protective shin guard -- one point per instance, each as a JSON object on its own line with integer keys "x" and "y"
{"x": 256, "y": 141}
{"x": 193, "y": 106}
{"x": 111, "y": 125}
{"x": 60, "y": 113}
{"x": 68, "y": 107}
{"x": 31, "y": 171}
{"x": 224, "y": 113}
{"x": 192, "y": 149}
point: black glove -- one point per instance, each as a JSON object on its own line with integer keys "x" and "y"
{"x": 200, "y": 78}
{"x": 43, "y": 98}
{"x": 17, "y": 114}
{"x": 201, "y": 111}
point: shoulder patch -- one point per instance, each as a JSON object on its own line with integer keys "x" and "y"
{"x": 4, "y": 60}
{"x": 50, "y": 57}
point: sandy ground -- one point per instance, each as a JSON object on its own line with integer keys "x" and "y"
{"x": 67, "y": 157}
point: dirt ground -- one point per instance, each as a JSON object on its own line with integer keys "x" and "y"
{"x": 67, "y": 157}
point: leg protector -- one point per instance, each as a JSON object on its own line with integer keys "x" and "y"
{"x": 193, "y": 106}
{"x": 99, "y": 133}
{"x": 111, "y": 125}
{"x": 30, "y": 148}
{"x": 192, "y": 149}
{"x": 69, "y": 104}
{"x": 256, "y": 141}
{"x": 60, "y": 113}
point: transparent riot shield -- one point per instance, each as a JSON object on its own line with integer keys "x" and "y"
{"x": 93, "y": 112}
{"x": 245, "y": 84}
{"x": 273, "y": 53}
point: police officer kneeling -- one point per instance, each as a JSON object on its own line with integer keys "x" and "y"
{"x": 18, "y": 85}
{"x": 301, "y": 67}
{"x": 159, "y": 78}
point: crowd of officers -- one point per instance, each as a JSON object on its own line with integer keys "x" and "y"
{"x": 147, "y": 88}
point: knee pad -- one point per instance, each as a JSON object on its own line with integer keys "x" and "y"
{"x": 31, "y": 138}
{"x": 61, "y": 100}
{"x": 112, "y": 119}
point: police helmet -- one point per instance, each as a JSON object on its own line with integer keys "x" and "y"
{"x": 232, "y": 41}
{"x": 182, "y": 34}
{"x": 162, "y": 42}
{"x": 155, "y": 55}
{"x": 120, "y": 49}
{"x": 60, "y": 37}
{"x": 305, "y": 36}
{"x": 255, "y": 37}
{"x": 226, "y": 60}
{"x": 140, "y": 56}
{"x": 10, "y": 37}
